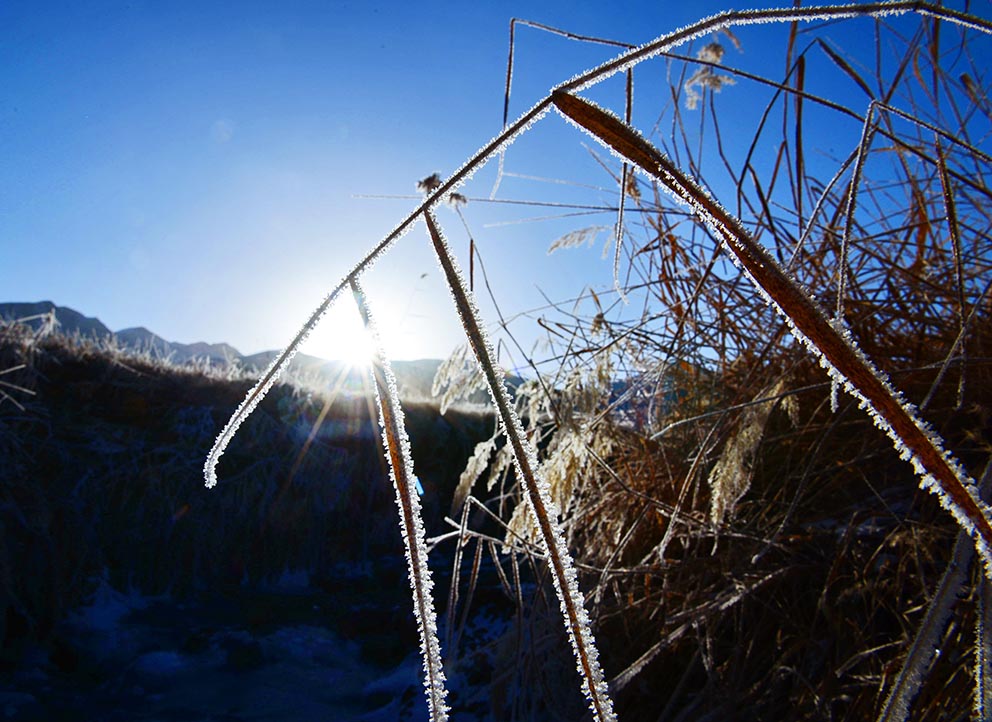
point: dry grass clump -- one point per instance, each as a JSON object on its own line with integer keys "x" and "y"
{"x": 750, "y": 545}
{"x": 801, "y": 596}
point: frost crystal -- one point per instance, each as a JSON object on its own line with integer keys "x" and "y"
{"x": 397, "y": 445}
{"x": 705, "y": 77}
{"x": 828, "y": 339}
{"x": 888, "y": 410}
{"x": 925, "y": 644}
{"x": 474, "y": 468}
{"x": 538, "y": 494}
{"x": 983, "y": 651}
{"x": 730, "y": 477}
{"x": 457, "y": 378}
{"x": 725, "y": 20}
{"x": 272, "y": 373}
{"x": 577, "y": 238}
{"x": 263, "y": 386}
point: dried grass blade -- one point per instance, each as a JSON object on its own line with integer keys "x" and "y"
{"x": 509, "y": 73}
{"x": 456, "y": 570}
{"x": 800, "y": 161}
{"x": 537, "y": 493}
{"x": 952, "y": 223}
{"x": 846, "y": 68}
{"x": 867, "y": 133}
{"x": 397, "y": 445}
{"x": 624, "y": 180}
{"x": 472, "y": 584}
{"x": 809, "y": 323}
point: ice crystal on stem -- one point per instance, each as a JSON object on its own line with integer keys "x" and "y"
{"x": 538, "y": 494}
{"x": 397, "y": 445}
{"x": 265, "y": 383}
{"x": 828, "y": 339}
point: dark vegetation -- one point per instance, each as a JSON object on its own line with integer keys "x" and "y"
{"x": 101, "y": 483}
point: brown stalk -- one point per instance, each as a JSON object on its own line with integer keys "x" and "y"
{"x": 558, "y": 558}
{"x": 806, "y": 316}
{"x": 394, "y": 434}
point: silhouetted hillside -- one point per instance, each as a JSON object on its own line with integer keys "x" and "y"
{"x": 101, "y": 492}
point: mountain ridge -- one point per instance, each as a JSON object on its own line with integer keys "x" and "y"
{"x": 415, "y": 378}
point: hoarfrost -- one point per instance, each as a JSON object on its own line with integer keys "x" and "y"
{"x": 458, "y": 377}
{"x": 925, "y": 643}
{"x": 275, "y": 369}
{"x": 827, "y": 339}
{"x": 538, "y": 492}
{"x": 523, "y": 455}
{"x": 983, "y": 651}
{"x": 725, "y": 20}
{"x": 265, "y": 383}
{"x": 577, "y": 238}
{"x": 474, "y": 468}
{"x": 618, "y": 245}
{"x": 867, "y": 133}
{"x": 704, "y": 76}
{"x": 397, "y": 445}
{"x": 730, "y": 478}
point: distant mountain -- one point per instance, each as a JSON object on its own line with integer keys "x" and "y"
{"x": 301, "y": 362}
{"x": 414, "y": 377}
{"x": 69, "y": 320}
{"x": 142, "y": 339}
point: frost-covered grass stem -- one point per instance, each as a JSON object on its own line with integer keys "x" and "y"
{"x": 907, "y": 683}
{"x": 397, "y": 445}
{"x": 536, "y": 491}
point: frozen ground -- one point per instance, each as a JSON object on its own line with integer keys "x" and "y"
{"x": 285, "y": 653}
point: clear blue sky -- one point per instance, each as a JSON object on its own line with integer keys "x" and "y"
{"x": 193, "y": 167}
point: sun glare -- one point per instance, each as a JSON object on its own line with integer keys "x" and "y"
{"x": 340, "y": 336}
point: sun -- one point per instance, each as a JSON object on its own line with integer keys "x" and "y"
{"x": 341, "y": 336}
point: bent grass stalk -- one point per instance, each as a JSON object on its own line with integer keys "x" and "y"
{"x": 538, "y": 497}
{"x": 927, "y": 639}
{"x": 494, "y": 147}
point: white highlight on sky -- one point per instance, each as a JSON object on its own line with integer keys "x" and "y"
{"x": 341, "y": 335}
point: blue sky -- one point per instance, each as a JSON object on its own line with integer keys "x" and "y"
{"x": 194, "y": 169}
